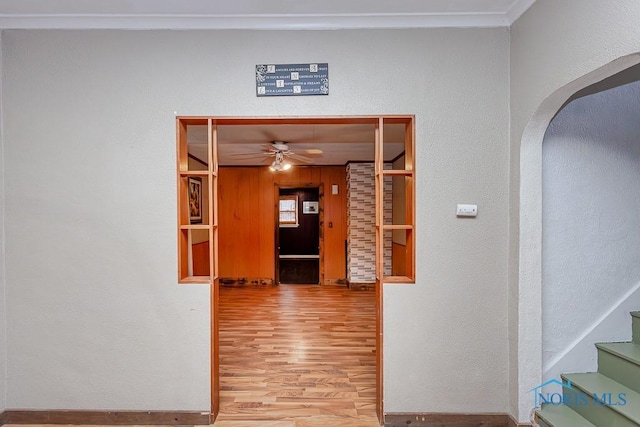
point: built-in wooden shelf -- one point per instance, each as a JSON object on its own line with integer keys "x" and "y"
{"x": 405, "y": 264}
{"x": 386, "y": 227}
{"x": 397, "y": 172}
{"x": 196, "y": 280}
{"x": 195, "y": 227}
{"x": 397, "y": 279}
{"x": 198, "y": 227}
{"x": 397, "y": 227}
{"x": 194, "y": 173}
{"x": 199, "y": 257}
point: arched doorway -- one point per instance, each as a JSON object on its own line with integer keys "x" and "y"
{"x": 530, "y": 228}
{"x": 590, "y": 238}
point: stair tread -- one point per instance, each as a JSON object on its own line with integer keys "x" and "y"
{"x": 629, "y": 351}
{"x": 595, "y": 382}
{"x": 562, "y": 416}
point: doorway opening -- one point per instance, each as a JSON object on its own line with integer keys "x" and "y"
{"x": 529, "y": 253}
{"x": 223, "y": 158}
{"x": 298, "y": 239}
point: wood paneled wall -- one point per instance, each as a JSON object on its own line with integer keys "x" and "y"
{"x": 399, "y": 260}
{"x": 247, "y": 203}
{"x": 200, "y": 256}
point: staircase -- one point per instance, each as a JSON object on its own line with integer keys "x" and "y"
{"x": 607, "y": 398}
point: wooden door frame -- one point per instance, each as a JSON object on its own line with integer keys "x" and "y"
{"x": 287, "y": 185}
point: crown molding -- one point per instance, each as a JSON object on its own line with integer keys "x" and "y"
{"x": 517, "y": 9}
{"x": 173, "y": 20}
{"x": 256, "y": 22}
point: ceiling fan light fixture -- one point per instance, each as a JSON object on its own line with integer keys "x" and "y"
{"x": 279, "y": 164}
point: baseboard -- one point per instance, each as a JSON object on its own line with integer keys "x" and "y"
{"x": 204, "y": 418}
{"x": 245, "y": 281}
{"x": 106, "y": 417}
{"x": 361, "y": 286}
{"x": 335, "y": 282}
{"x": 449, "y": 420}
{"x": 514, "y": 423}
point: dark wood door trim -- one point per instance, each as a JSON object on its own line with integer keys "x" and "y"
{"x": 277, "y": 187}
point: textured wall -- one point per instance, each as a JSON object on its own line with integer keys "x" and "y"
{"x": 551, "y": 58}
{"x": 89, "y": 139}
{"x": 361, "y": 223}
{"x": 590, "y": 233}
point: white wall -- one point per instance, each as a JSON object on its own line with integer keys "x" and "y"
{"x": 557, "y": 48}
{"x": 94, "y": 307}
{"x": 97, "y": 320}
{"x": 3, "y": 313}
{"x": 590, "y": 199}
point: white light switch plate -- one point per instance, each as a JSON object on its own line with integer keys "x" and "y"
{"x": 467, "y": 210}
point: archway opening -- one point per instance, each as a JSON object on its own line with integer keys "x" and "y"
{"x": 529, "y": 234}
{"x": 590, "y": 238}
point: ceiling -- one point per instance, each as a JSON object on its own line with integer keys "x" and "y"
{"x": 320, "y": 144}
{"x": 259, "y": 14}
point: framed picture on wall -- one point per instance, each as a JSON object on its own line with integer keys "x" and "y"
{"x": 310, "y": 208}
{"x": 195, "y": 200}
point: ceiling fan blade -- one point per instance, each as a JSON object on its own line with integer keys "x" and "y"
{"x": 313, "y": 152}
{"x": 300, "y": 158}
{"x": 268, "y": 135}
{"x": 247, "y": 155}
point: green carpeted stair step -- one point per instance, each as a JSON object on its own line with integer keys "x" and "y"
{"x": 620, "y": 362}
{"x": 560, "y": 416}
{"x": 587, "y": 390}
{"x": 635, "y": 318}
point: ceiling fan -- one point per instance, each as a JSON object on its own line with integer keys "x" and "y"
{"x": 281, "y": 156}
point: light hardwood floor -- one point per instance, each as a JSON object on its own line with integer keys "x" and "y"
{"x": 297, "y": 356}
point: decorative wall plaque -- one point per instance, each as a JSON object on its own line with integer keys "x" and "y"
{"x": 292, "y": 79}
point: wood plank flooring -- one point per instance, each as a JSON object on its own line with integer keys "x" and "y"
{"x": 297, "y": 356}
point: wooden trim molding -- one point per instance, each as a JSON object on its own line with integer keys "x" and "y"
{"x": 514, "y": 423}
{"x": 449, "y": 420}
{"x": 105, "y": 417}
{"x": 203, "y": 418}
